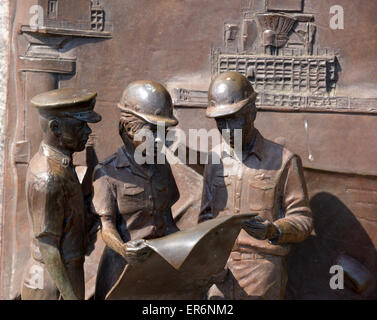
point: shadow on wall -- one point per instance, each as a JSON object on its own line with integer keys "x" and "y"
{"x": 338, "y": 235}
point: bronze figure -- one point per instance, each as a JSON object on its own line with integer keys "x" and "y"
{"x": 55, "y": 202}
{"x": 134, "y": 201}
{"x": 267, "y": 179}
{"x": 316, "y": 96}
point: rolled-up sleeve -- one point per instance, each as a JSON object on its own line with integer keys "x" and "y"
{"x": 297, "y": 223}
{"x": 103, "y": 201}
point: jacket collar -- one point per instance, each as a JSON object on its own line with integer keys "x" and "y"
{"x": 56, "y": 155}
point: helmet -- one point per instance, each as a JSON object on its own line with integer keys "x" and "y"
{"x": 149, "y": 101}
{"x": 228, "y": 93}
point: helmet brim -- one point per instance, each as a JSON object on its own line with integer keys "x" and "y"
{"x": 153, "y": 119}
{"x": 218, "y": 111}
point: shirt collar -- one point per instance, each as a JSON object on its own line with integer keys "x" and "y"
{"x": 255, "y": 146}
{"x": 56, "y": 155}
{"x": 124, "y": 159}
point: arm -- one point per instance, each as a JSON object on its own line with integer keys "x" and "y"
{"x": 104, "y": 205}
{"x": 297, "y": 223}
{"x": 48, "y": 223}
{"x": 56, "y": 268}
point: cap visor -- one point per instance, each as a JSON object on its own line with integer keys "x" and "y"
{"x": 91, "y": 116}
{"x": 225, "y": 109}
{"x": 169, "y": 122}
{"x": 154, "y": 119}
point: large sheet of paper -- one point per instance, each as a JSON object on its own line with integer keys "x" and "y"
{"x": 182, "y": 265}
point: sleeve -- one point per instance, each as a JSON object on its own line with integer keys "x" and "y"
{"x": 46, "y": 203}
{"x": 297, "y": 223}
{"x": 205, "y": 207}
{"x": 103, "y": 201}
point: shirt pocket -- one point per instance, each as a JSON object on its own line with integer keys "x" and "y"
{"x": 130, "y": 189}
{"x": 131, "y": 198}
{"x": 261, "y": 195}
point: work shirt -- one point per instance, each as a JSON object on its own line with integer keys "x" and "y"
{"x": 55, "y": 204}
{"x": 266, "y": 179}
{"x": 137, "y": 199}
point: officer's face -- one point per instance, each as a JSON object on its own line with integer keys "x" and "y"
{"x": 243, "y": 120}
{"x": 74, "y": 134}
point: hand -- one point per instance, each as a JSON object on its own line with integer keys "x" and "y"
{"x": 260, "y": 228}
{"x": 136, "y": 251}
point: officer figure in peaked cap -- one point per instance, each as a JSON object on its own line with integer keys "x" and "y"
{"x": 263, "y": 178}
{"x": 132, "y": 198}
{"x": 55, "y": 203}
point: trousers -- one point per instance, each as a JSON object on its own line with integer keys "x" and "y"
{"x": 251, "y": 276}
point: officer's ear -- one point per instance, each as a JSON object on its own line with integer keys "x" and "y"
{"x": 55, "y": 127}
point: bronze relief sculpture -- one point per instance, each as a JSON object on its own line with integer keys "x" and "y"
{"x": 55, "y": 201}
{"x": 266, "y": 178}
{"x": 316, "y": 96}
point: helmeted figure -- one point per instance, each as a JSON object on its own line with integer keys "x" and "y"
{"x": 134, "y": 199}
{"x": 55, "y": 203}
{"x": 263, "y": 177}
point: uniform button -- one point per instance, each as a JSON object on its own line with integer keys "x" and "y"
{"x": 238, "y": 195}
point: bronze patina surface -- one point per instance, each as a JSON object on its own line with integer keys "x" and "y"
{"x": 133, "y": 200}
{"x": 59, "y": 221}
{"x": 316, "y": 95}
{"x": 265, "y": 178}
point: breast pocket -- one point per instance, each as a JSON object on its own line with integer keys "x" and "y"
{"x": 131, "y": 197}
{"x": 261, "y": 195}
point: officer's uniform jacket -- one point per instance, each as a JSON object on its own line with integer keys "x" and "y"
{"x": 55, "y": 206}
